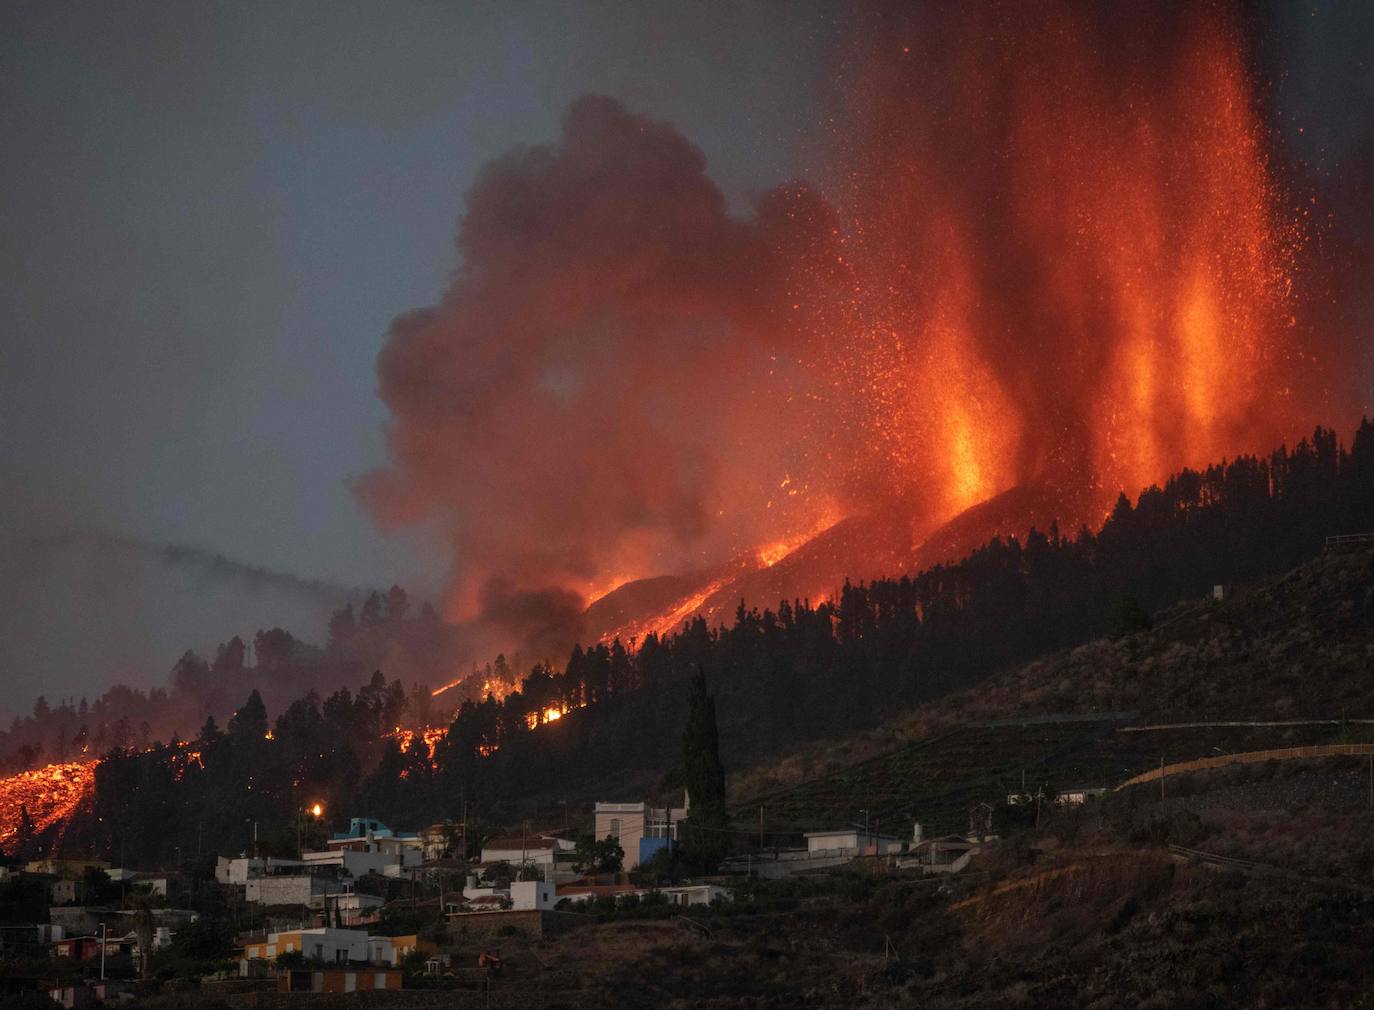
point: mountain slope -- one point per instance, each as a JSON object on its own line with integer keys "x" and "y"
{"x": 882, "y": 544}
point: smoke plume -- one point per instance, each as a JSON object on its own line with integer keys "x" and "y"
{"x": 1051, "y": 251}
{"x": 610, "y": 383}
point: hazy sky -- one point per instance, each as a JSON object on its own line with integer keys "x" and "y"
{"x": 210, "y": 212}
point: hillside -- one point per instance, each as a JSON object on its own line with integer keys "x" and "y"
{"x": 1292, "y": 649}
{"x": 858, "y": 547}
{"x": 1299, "y": 646}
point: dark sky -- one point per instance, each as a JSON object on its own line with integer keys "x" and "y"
{"x": 210, "y": 213}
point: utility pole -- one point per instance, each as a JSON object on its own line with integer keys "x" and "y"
{"x": 760, "y": 827}
{"x": 102, "y": 952}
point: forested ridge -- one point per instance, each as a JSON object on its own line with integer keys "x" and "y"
{"x": 780, "y": 676}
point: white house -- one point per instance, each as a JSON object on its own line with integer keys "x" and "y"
{"x": 694, "y": 894}
{"x": 850, "y": 842}
{"x": 358, "y": 863}
{"x": 350, "y": 906}
{"x": 369, "y": 835}
{"x": 536, "y": 850}
{"x": 640, "y": 829}
{"x": 238, "y": 870}
{"x": 523, "y": 895}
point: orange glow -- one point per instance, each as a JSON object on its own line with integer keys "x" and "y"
{"x": 498, "y": 689}
{"x": 770, "y": 554}
{"x": 447, "y": 687}
{"x": 50, "y": 794}
{"x": 317, "y": 810}
{"x": 1088, "y": 286}
{"x": 552, "y": 714}
{"x": 430, "y": 738}
{"x": 669, "y": 620}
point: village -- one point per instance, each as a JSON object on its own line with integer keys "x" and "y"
{"x": 382, "y": 909}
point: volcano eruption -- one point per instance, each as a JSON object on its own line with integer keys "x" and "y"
{"x": 1044, "y": 256}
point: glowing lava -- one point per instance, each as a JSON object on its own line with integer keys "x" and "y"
{"x": 50, "y": 795}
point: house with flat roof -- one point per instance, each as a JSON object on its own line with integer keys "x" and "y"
{"x": 640, "y": 829}
{"x": 850, "y": 842}
{"x": 535, "y": 850}
{"x": 333, "y": 946}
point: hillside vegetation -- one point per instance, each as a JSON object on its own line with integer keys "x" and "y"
{"x": 1297, "y": 648}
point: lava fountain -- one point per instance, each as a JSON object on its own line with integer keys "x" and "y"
{"x": 1067, "y": 260}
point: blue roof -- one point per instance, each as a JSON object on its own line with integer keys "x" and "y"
{"x": 359, "y": 827}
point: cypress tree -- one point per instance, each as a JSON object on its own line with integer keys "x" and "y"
{"x": 705, "y": 834}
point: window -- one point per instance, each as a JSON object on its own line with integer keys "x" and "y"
{"x": 615, "y": 828}
{"x": 341, "y": 956}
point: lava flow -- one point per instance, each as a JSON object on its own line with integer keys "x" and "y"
{"x": 50, "y": 795}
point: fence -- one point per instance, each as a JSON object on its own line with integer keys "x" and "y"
{"x": 1345, "y": 540}
{"x": 1244, "y": 724}
{"x": 1252, "y": 757}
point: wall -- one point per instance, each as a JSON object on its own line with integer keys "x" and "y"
{"x": 532, "y": 894}
{"x": 283, "y": 890}
{"x": 530, "y": 923}
{"x": 1250, "y": 757}
{"x": 631, "y": 818}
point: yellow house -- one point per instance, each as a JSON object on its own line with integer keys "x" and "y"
{"x": 335, "y": 946}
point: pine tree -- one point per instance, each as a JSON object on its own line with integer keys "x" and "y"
{"x": 250, "y": 721}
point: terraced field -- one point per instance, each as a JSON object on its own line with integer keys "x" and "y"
{"x": 937, "y": 781}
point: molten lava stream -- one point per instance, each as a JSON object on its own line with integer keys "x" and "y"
{"x": 50, "y": 795}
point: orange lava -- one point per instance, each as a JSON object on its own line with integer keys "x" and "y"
{"x": 50, "y": 794}
{"x": 429, "y": 738}
{"x": 1065, "y": 259}
{"x": 498, "y": 689}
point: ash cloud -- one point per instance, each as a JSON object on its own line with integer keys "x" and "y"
{"x": 608, "y": 382}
